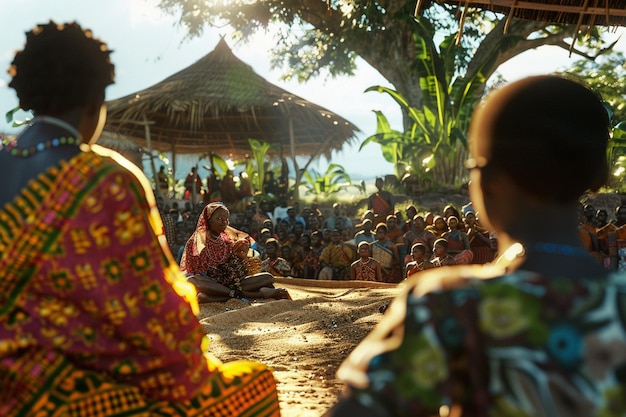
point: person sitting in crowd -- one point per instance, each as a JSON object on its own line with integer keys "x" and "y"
{"x": 539, "y": 332}
{"x": 336, "y": 259}
{"x": 419, "y": 235}
{"x": 394, "y": 233}
{"x": 264, "y": 234}
{"x": 483, "y": 246}
{"x": 366, "y": 234}
{"x": 429, "y": 218}
{"x": 587, "y": 232}
{"x": 293, "y": 218}
{"x": 411, "y": 212}
{"x": 326, "y": 234}
{"x": 451, "y": 210}
{"x": 312, "y": 258}
{"x": 291, "y": 254}
{"x": 305, "y": 244}
{"x": 386, "y": 252}
{"x": 441, "y": 257}
{"x": 602, "y": 218}
{"x": 439, "y": 226}
{"x": 273, "y": 263}
{"x": 210, "y": 264}
{"x": 97, "y": 318}
{"x": 365, "y": 268}
{"x": 312, "y": 224}
{"x": 458, "y": 242}
{"x": 368, "y": 214}
{"x": 338, "y": 220}
{"x": 419, "y": 262}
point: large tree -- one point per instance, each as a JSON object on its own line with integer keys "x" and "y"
{"x": 607, "y": 76}
{"x": 317, "y": 36}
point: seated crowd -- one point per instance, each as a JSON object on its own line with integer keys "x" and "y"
{"x": 309, "y": 244}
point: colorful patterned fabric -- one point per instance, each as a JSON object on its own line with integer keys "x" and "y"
{"x": 278, "y": 266}
{"x": 481, "y": 250}
{"x": 459, "y": 247}
{"x": 338, "y": 255}
{"x": 382, "y": 253}
{"x": 414, "y": 267}
{"x": 93, "y": 317}
{"x": 211, "y": 256}
{"x": 514, "y": 345}
{"x": 365, "y": 271}
{"x": 447, "y": 260}
{"x": 380, "y": 204}
{"x": 203, "y": 251}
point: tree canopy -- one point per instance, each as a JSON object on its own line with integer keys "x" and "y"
{"x": 607, "y": 76}
{"x": 315, "y": 37}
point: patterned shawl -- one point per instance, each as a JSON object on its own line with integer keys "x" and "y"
{"x": 202, "y": 251}
{"x": 86, "y": 293}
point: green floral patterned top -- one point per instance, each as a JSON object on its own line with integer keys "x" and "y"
{"x": 517, "y": 345}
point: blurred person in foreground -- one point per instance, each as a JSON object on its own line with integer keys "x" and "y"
{"x": 540, "y": 331}
{"x": 96, "y": 317}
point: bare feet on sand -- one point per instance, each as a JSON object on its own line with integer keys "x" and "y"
{"x": 275, "y": 293}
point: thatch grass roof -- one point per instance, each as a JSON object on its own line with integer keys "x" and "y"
{"x": 218, "y": 103}
{"x": 578, "y": 12}
{"x": 118, "y": 143}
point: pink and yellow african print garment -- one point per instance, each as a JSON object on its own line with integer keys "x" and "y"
{"x": 92, "y": 316}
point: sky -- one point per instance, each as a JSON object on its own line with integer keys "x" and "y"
{"x": 148, "y": 47}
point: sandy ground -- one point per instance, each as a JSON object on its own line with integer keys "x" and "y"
{"x": 303, "y": 340}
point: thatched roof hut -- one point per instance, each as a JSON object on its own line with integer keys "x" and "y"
{"x": 219, "y": 102}
{"x": 126, "y": 148}
{"x": 579, "y": 12}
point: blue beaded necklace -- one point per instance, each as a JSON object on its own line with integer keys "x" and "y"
{"x": 10, "y": 144}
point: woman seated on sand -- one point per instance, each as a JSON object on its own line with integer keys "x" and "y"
{"x": 217, "y": 272}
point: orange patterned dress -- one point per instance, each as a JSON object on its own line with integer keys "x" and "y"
{"x": 96, "y": 319}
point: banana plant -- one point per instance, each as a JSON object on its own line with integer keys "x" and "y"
{"x": 324, "y": 185}
{"x": 616, "y": 154}
{"x": 256, "y": 166}
{"x": 434, "y": 139}
{"x": 217, "y": 164}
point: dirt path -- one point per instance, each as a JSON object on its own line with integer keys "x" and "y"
{"x": 303, "y": 340}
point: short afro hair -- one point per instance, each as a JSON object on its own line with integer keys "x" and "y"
{"x": 61, "y": 67}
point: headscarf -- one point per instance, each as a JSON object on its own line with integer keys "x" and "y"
{"x": 195, "y": 258}
{"x": 468, "y": 208}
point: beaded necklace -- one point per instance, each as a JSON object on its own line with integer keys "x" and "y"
{"x": 10, "y": 144}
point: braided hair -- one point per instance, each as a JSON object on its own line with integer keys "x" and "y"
{"x": 61, "y": 67}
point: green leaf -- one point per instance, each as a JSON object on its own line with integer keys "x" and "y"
{"x": 10, "y": 118}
